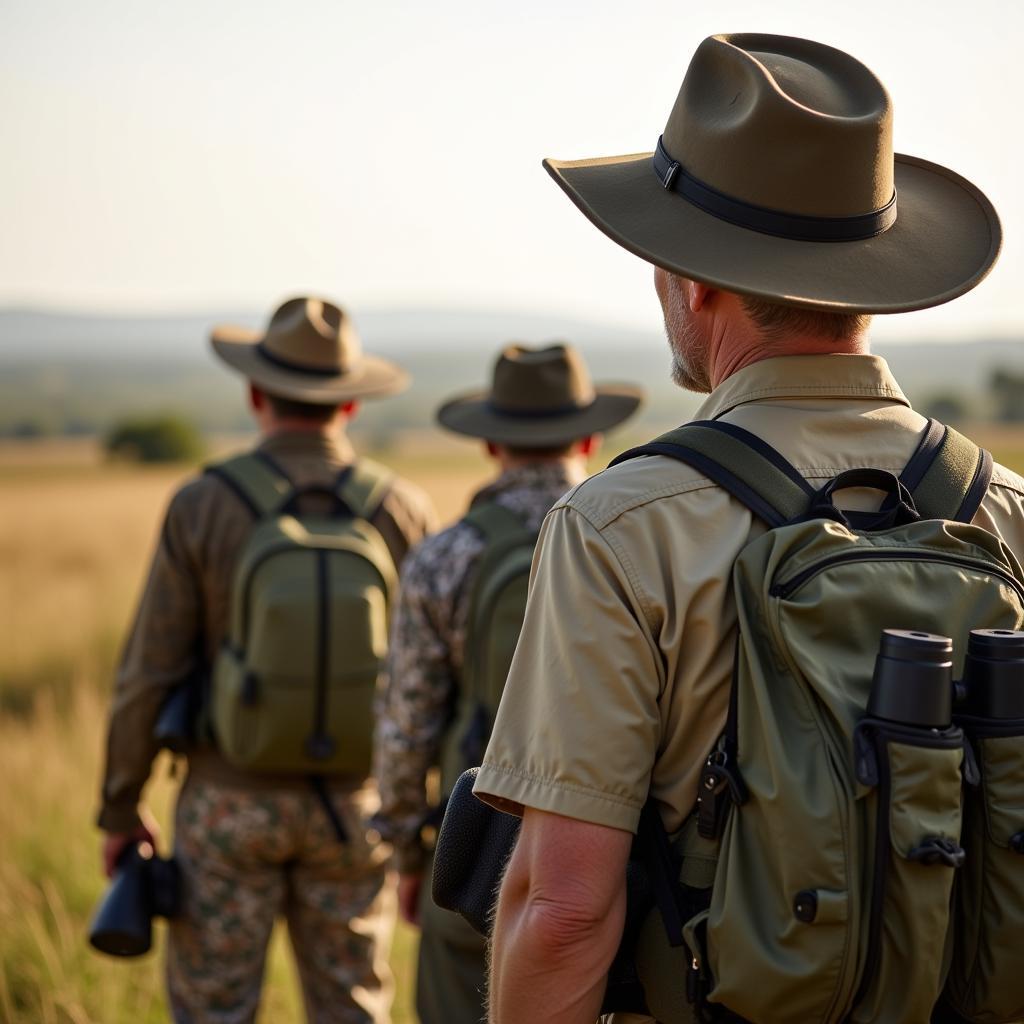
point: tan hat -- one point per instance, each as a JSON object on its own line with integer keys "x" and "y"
{"x": 775, "y": 177}
{"x": 309, "y": 352}
{"x": 539, "y": 398}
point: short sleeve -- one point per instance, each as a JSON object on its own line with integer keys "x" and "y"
{"x": 578, "y": 726}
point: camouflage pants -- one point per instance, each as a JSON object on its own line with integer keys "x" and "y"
{"x": 247, "y": 857}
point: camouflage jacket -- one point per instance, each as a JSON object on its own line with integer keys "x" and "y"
{"x": 426, "y": 653}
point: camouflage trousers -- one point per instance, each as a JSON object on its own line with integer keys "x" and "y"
{"x": 247, "y": 857}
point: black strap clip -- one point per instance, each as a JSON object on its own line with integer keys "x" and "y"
{"x": 939, "y": 850}
{"x": 719, "y": 786}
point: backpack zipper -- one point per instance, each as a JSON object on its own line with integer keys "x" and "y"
{"x": 789, "y": 587}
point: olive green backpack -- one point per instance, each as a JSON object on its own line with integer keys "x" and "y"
{"x": 841, "y": 866}
{"x": 497, "y": 603}
{"x": 293, "y": 688}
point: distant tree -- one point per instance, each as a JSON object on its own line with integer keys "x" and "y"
{"x": 947, "y": 407}
{"x": 27, "y": 430}
{"x": 155, "y": 439}
{"x": 1007, "y": 390}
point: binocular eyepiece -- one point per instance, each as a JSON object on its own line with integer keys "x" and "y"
{"x": 142, "y": 888}
{"x": 913, "y": 680}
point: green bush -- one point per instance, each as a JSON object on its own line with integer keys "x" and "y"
{"x": 155, "y": 439}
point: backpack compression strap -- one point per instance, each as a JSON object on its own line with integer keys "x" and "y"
{"x": 256, "y": 480}
{"x": 948, "y": 475}
{"x": 362, "y": 486}
{"x": 753, "y": 472}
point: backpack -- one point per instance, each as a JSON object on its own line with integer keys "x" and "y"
{"x": 293, "y": 687}
{"x": 839, "y": 865}
{"x": 497, "y": 604}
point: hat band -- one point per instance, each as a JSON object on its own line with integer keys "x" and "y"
{"x": 287, "y": 364}
{"x": 537, "y": 414}
{"x": 770, "y": 222}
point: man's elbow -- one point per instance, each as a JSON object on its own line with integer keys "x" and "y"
{"x": 562, "y": 925}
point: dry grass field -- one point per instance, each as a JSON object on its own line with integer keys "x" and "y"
{"x": 75, "y": 538}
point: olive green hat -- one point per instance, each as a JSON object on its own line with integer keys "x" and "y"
{"x": 775, "y": 177}
{"x": 540, "y": 397}
{"x": 309, "y": 352}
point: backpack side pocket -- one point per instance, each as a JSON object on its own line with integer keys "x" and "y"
{"x": 986, "y": 983}
{"x": 916, "y": 800}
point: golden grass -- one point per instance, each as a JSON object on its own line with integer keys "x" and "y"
{"x": 75, "y": 539}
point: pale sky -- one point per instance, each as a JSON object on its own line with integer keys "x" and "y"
{"x": 212, "y": 154}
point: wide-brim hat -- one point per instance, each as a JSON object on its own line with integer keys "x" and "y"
{"x": 540, "y": 398}
{"x": 309, "y": 352}
{"x": 775, "y": 177}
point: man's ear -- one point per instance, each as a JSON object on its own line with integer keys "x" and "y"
{"x": 491, "y": 448}
{"x": 590, "y": 446}
{"x": 350, "y": 410}
{"x": 257, "y": 400}
{"x": 697, "y": 294}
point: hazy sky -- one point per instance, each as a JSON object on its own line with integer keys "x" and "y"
{"x": 221, "y": 153}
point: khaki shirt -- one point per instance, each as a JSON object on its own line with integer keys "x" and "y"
{"x": 620, "y": 682}
{"x": 183, "y": 615}
{"x": 425, "y": 659}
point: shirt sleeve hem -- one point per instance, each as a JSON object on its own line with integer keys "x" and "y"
{"x": 510, "y": 791}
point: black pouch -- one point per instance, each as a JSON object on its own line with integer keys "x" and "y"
{"x": 474, "y": 844}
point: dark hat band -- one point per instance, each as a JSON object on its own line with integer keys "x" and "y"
{"x": 796, "y": 226}
{"x": 537, "y": 414}
{"x": 287, "y": 364}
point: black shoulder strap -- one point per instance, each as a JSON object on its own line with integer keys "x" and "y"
{"x": 948, "y": 475}
{"x": 751, "y": 470}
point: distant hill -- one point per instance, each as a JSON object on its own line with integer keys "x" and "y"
{"x": 78, "y": 373}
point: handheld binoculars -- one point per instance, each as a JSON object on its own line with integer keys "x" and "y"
{"x": 143, "y": 886}
{"x": 913, "y": 681}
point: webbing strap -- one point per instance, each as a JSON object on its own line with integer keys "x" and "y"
{"x": 955, "y": 480}
{"x": 749, "y": 469}
{"x": 363, "y": 486}
{"x": 256, "y": 481}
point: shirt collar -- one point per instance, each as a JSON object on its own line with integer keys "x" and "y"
{"x": 549, "y": 476}
{"x": 820, "y": 376}
{"x": 334, "y": 447}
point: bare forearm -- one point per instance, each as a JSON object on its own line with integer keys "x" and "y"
{"x": 559, "y": 921}
{"x": 560, "y": 982}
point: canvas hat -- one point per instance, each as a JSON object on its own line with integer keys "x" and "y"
{"x": 775, "y": 177}
{"x": 309, "y": 352}
{"x": 540, "y": 397}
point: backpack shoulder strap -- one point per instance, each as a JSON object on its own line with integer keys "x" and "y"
{"x": 257, "y": 481}
{"x": 753, "y": 472}
{"x": 948, "y": 475}
{"x": 498, "y": 524}
{"x": 362, "y": 486}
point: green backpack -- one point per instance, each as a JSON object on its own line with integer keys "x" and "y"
{"x": 293, "y": 688}
{"x": 840, "y": 865}
{"x": 497, "y": 604}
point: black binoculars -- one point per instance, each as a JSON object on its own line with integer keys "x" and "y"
{"x": 143, "y": 887}
{"x": 913, "y": 680}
